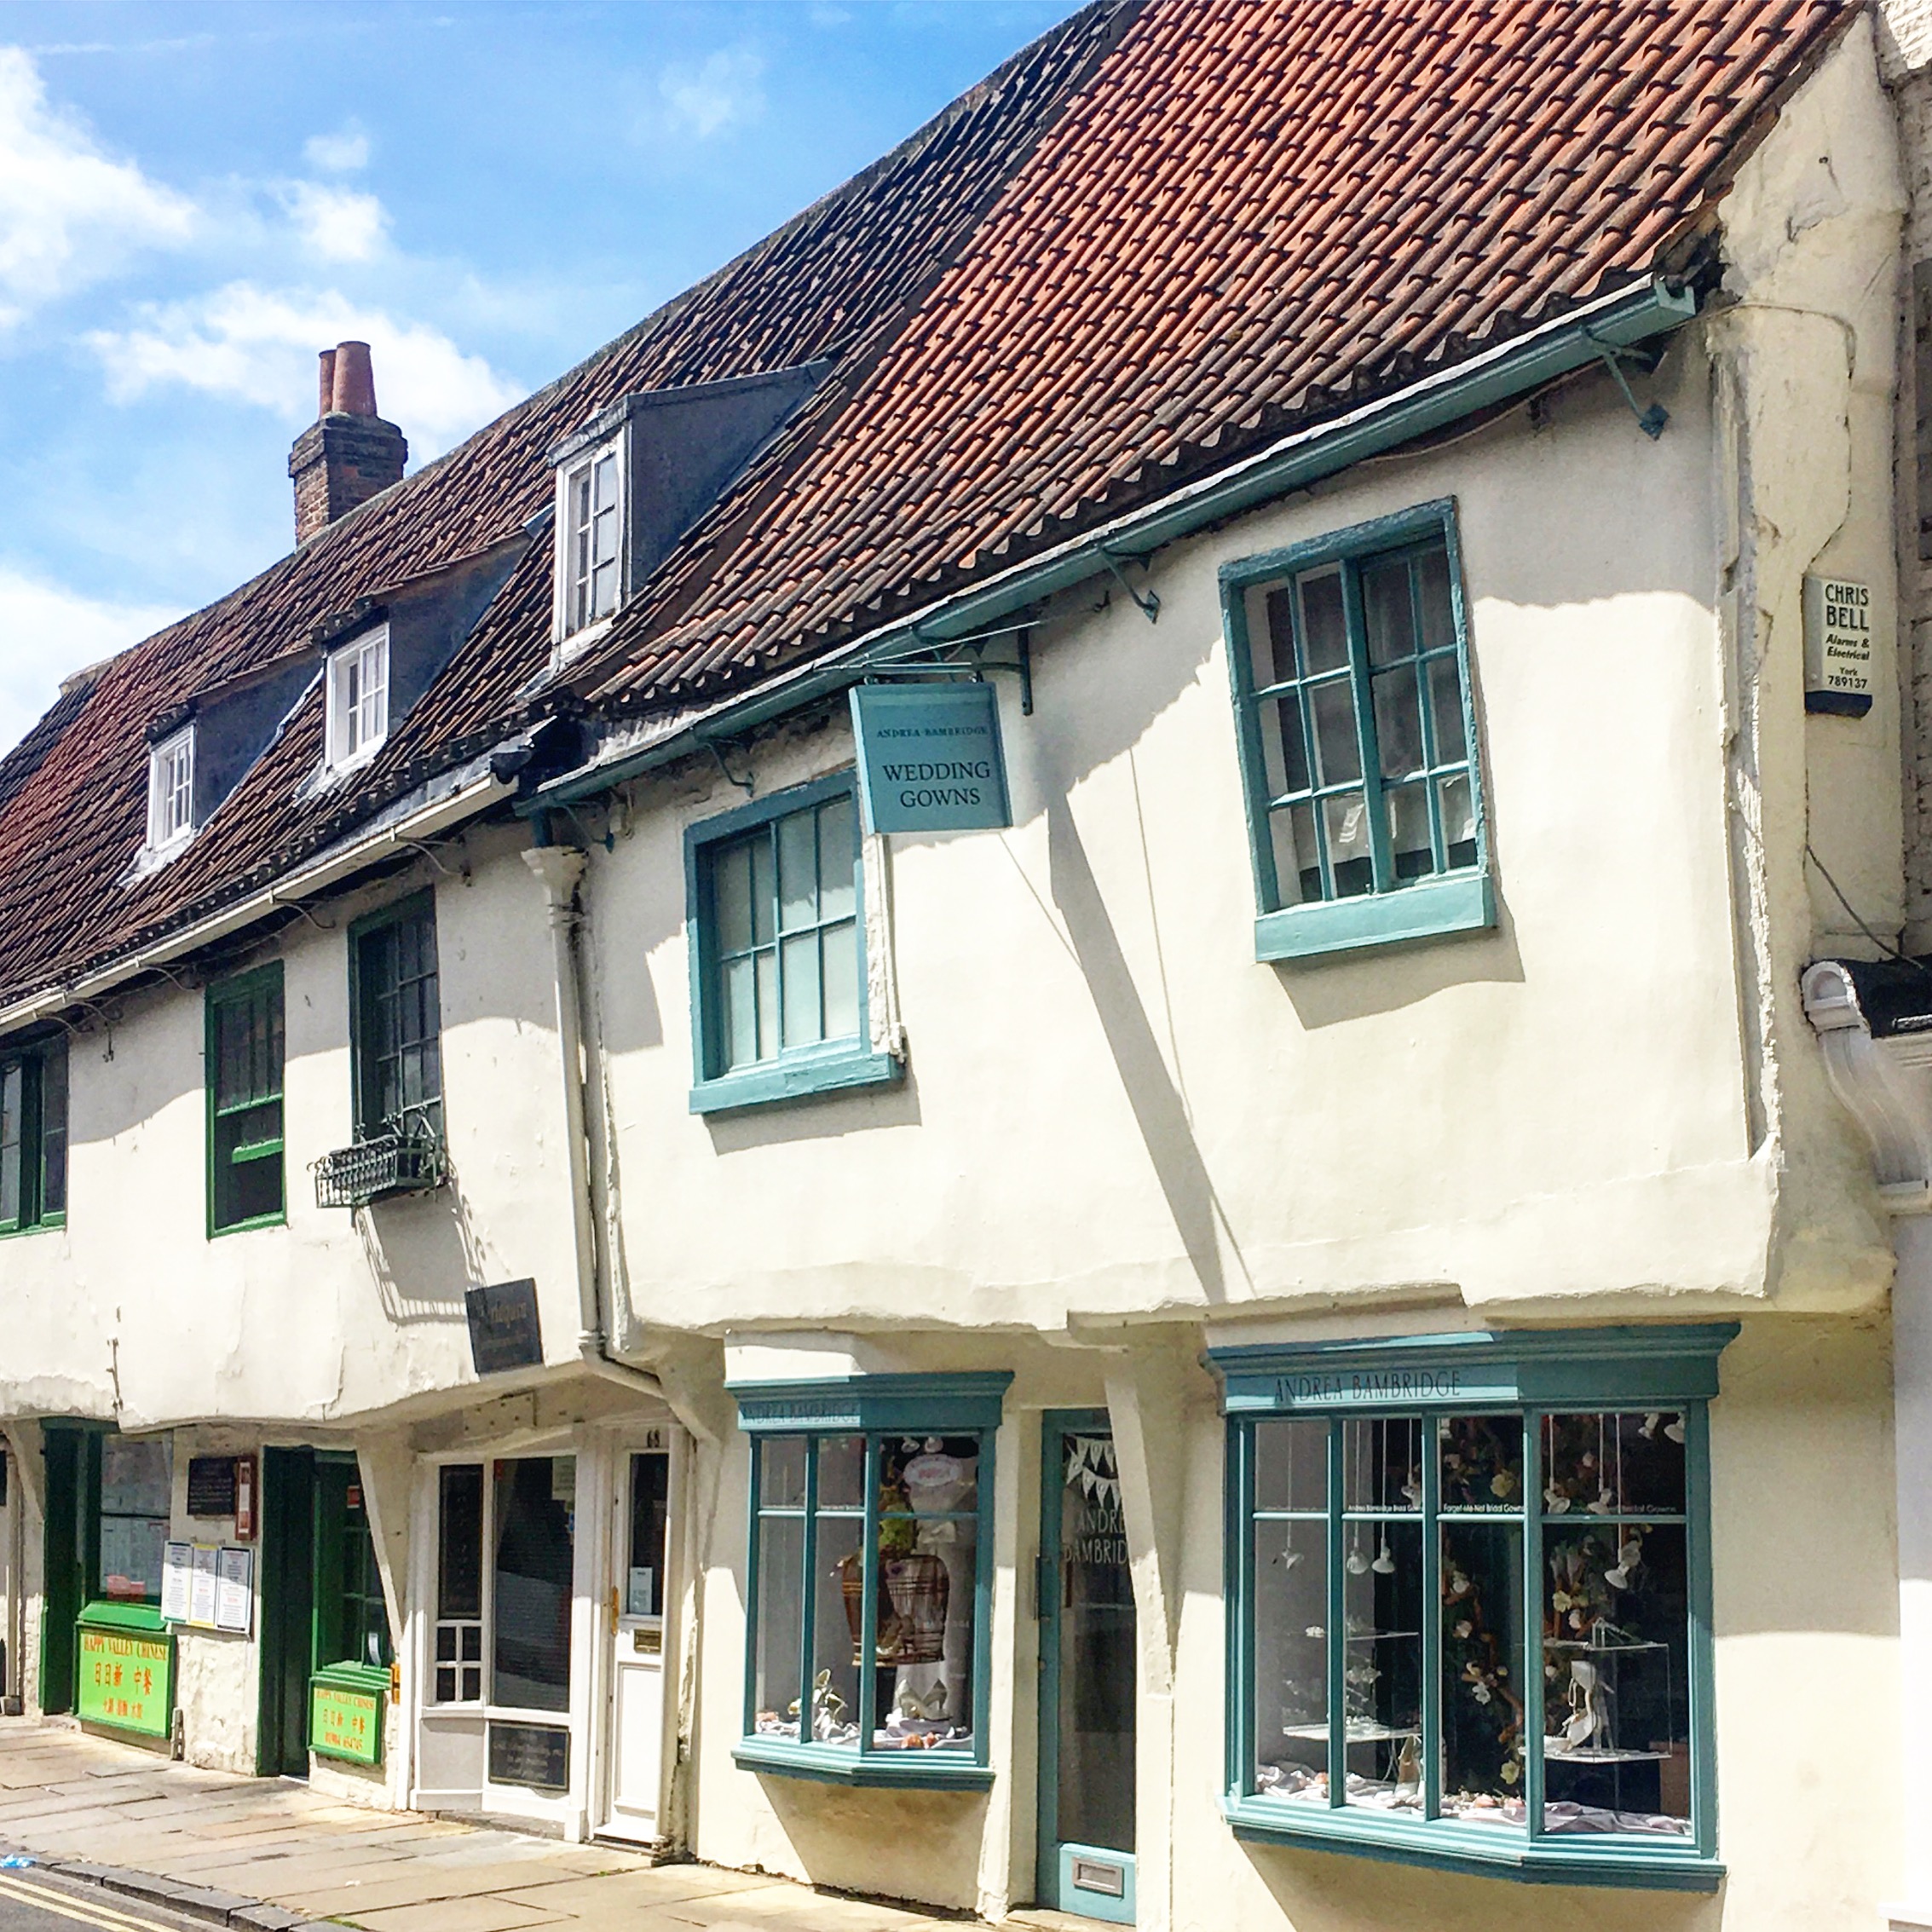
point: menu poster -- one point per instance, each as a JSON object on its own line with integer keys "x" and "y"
{"x": 234, "y": 1594}
{"x": 202, "y": 1586}
{"x": 176, "y": 1558}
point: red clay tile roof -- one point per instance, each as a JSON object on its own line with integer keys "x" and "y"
{"x": 1163, "y": 234}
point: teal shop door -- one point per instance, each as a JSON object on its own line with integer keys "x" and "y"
{"x": 1087, "y": 1674}
{"x": 288, "y": 1600}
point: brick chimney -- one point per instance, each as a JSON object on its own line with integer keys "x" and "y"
{"x": 349, "y": 452}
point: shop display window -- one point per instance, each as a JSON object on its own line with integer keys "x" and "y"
{"x": 871, "y": 1568}
{"x": 1472, "y": 1626}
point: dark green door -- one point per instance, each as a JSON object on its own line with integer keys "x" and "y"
{"x": 65, "y": 1559}
{"x": 288, "y": 1598}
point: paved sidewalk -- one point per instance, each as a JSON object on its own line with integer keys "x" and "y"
{"x": 268, "y": 1856}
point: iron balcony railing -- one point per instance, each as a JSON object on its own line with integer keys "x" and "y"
{"x": 404, "y": 1156}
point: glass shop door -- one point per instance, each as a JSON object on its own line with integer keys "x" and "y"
{"x": 1087, "y": 1675}
{"x": 634, "y": 1730}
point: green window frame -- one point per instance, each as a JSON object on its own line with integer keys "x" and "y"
{"x": 34, "y": 1138}
{"x": 876, "y": 1466}
{"x": 395, "y": 1005}
{"x": 1492, "y": 1554}
{"x": 1348, "y": 659}
{"x": 351, "y": 1617}
{"x": 775, "y": 894}
{"x": 247, "y": 1183}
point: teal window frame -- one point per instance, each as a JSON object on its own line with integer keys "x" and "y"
{"x": 262, "y": 987}
{"x": 37, "y": 1074}
{"x": 367, "y": 990}
{"x": 877, "y": 1407}
{"x": 1397, "y": 909}
{"x": 1533, "y": 1374}
{"x": 349, "y": 1604}
{"x": 829, "y": 1066}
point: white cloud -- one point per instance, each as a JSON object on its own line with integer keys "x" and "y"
{"x": 68, "y": 213}
{"x": 47, "y": 632}
{"x": 259, "y": 345}
{"x": 337, "y": 224}
{"x": 339, "y": 153}
{"x": 721, "y": 91}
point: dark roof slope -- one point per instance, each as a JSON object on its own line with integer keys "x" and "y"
{"x": 1166, "y": 233}
{"x": 834, "y": 281}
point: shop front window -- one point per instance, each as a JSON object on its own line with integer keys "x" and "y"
{"x": 870, "y": 1561}
{"x": 136, "y": 1495}
{"x": 352, "y": 1625}
{"x": 535, "y": 1508}
{"x": 1476, "y": 1630}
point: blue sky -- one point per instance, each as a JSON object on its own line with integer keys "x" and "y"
{"x": 194, "y": 198}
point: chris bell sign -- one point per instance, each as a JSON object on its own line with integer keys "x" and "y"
{"x": 1837, "y": 646}
{"x": 930, "y": 758}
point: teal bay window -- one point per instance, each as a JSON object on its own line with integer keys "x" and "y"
{"x": 776, "y": 897}
{"x": 34, "y": 1137}
{"x": 1349, "y": 661}
{"x": 1469, "y": 1601}
{"x": 245, "y": 1185}
{"x": 870, "y": 1570}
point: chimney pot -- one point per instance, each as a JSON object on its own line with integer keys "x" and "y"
{"x": 355, "y": 385}
{"x": 326, "y": 383}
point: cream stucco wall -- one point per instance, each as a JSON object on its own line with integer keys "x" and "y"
{"x": 133, "y": 1313}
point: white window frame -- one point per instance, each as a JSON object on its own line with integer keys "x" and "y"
{"x": 171, "y": 791}
{"x": 357, "y": 726}
{"x": 576, "y": 618}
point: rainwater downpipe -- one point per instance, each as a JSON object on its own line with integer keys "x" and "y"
{"x": 560, "y": 870}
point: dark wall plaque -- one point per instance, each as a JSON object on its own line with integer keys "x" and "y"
{"x": 503, "y": 1326}
{"x": 211, "y": 1485}
{"x": 534, "y": 1754}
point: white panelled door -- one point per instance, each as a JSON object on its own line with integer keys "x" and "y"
{"x": 640, "y": 1545}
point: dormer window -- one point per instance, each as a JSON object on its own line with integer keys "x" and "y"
{"x": 358, "y": 699}
{"x": 170, "y": 790}
{"x": 591, "y": 523}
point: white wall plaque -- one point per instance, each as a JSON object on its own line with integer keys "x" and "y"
{"x": 1837, "y": 646}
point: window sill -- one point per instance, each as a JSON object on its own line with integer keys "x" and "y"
{"x": 1460, "y": 902}
{"x": 109, "y": 1613}
{"x": 928, "y": 1771}
{"x": 1496, "y": 1851}
{"x": 51, "y": 1224}
{"x": 260, "y": 1222}
{"x": 797, "y": 1077}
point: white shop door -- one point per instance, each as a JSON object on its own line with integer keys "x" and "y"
{"x": 640, "y": 1545}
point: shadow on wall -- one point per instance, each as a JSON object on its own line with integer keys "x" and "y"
{"x": 920, "y": 1846}
{"x": 1160, "y": 1111}
{"x": 1325, "y": 1891}
{"x": 423, "y": 1251}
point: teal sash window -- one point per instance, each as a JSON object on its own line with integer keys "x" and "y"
{"x": 1349, "y": 661}
{"x": 870, "y": 1577}
{"x": 1469, "y": 1588}
{"x": 777, "y": 921}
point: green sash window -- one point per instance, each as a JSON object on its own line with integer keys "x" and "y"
{"x": 397, "y": 1007}
{"x": 34, "y": 1138}
{"x": 245, "y": 1181}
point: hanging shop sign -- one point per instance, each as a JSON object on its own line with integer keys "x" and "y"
{"x": 930, "y": 758}
{"x": 502, "y": 1326}
{"x": 127, "y": 1679}
{"x": 345, "y": 1719}
{"x": 1837, "y": 646}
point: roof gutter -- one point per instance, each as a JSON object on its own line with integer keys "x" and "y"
{"x": 1593, "y": 333}
{"x": 425, "y": 823}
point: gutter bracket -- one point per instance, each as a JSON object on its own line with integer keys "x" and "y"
{"x": 1147, "y": 602}
{"x": 744, "y": 785}
{"x": 1652, "y": 420}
